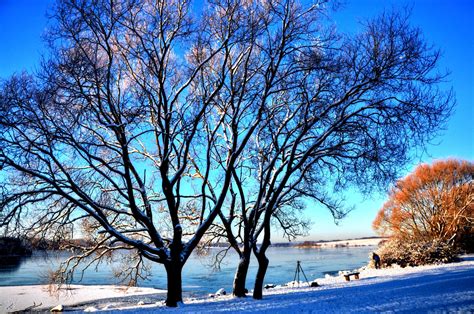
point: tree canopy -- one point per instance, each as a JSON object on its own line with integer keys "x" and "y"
{"x": 434, "y": 202}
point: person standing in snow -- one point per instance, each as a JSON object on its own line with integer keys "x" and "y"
{"x": 376, "y": 259}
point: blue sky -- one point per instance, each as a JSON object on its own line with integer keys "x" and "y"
{"x": 447, "y": 24}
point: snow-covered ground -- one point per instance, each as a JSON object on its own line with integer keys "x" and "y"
{"x": 16, "y": 298}
{"x": 434, "y": 288}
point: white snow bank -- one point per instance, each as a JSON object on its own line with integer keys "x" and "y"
{"x": 439, "y": 288}
{"x": 16, "y": 298}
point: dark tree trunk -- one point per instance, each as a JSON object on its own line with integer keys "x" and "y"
{"x": 239, "y": 289}
{"x": 262, "y": 270}
{"x": 175, "y": 294}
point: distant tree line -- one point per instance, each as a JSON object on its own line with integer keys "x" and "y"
{"x": 13, "y": 247}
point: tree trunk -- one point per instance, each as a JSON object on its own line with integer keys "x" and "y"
{"x": 175, "y": 293}
{"x": 262, "y": 270}
{"x": 239, "y": 289}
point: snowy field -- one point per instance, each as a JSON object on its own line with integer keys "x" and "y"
{"x": 436, "y": 288}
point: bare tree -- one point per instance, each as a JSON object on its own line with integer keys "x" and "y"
{"x": 107, "y": 138}
{"x": 272, "y": 35}
{"x": 347, "y": 112}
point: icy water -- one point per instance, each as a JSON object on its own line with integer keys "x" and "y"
{"x": 199, "y": 277}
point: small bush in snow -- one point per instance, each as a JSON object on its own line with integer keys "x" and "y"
{"x": 415, "y": 253}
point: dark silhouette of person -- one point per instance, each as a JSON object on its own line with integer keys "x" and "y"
{"x": 376, "y": 259}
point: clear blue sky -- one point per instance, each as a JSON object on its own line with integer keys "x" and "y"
{"x": 447, "y": 24}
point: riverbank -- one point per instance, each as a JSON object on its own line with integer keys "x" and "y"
{"x": 363, "y": 242}
{"x": 441, "y": 288}
{"x": 37, "y": 297}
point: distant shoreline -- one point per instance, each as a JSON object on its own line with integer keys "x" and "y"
{"x": 361, "y": 242}
{"x": 356, "y": 242}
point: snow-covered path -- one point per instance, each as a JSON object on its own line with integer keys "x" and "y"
{"x": 445, "y": 288}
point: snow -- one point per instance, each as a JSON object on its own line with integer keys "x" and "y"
{"x": 17, "y": 298}
{"x": 439, "y": 288}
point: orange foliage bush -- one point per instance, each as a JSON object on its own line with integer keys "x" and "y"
{"x": 435, "y": 202}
